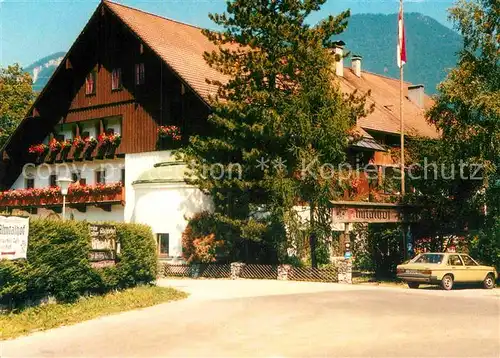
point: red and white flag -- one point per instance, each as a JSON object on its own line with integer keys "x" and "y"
{"x": 401, "y": 37}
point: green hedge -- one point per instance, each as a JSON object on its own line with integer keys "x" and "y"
{"x": 58, "y": 263}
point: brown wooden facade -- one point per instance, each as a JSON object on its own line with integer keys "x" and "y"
{"x": 105, "y": 44}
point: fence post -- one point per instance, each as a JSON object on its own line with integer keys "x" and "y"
{"x": 284, "y": 272}
{"x": 195, "y": 270}
{"x": 236, "y": 269}
{"x": 344, "y": 270}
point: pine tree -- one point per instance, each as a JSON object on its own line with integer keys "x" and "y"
{"x": 276, "y": 121}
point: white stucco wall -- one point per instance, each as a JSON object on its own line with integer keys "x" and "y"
{"x": 93, "y": 214}
{"x": 166, "y": 207}
{"x": 135, "y": 165}
{"x": 87, "y": 170}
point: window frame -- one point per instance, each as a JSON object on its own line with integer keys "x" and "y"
{"x": 140, "y": 74}
{"x": 53, "y": 180}
{"x": 92, "y": 74}
{"x": 159, "y": 237}
{"x": 29, "y": 183}
{"x": 116, "y": 72}
{"x": 463, "y": 256}
{"x": 459, "y": 257}
{"x": 100, "y": 176}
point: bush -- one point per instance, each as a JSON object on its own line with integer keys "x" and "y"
{"x": 485, "y": 245}
{"x": 58, "y": 263}
{"x": 138, "y": 261}
{"x": 200, "y": 241}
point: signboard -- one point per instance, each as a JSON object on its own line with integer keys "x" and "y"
{"x": 13, "y": 237}
{"x": 358, "y": 213}
{"x": 103, "y": 241}
{"x": 365, "y": 215}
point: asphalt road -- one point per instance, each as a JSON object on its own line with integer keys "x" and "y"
{"x": 270, "y": 319}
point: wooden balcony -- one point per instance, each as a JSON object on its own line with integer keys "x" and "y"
{"x": 78, "y": 197}
{"x": 373, "y": 190}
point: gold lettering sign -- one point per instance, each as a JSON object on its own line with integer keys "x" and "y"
{"x": 365, "y": 215}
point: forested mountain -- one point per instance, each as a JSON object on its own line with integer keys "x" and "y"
{"x": 431, "y": 48}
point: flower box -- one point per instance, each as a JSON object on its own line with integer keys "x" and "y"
{"x": 77, "y": 193}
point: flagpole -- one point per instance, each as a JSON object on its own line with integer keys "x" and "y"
{"x": 401, "y": 119}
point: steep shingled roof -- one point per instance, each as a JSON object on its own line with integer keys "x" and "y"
{"x": 181, "y": 46}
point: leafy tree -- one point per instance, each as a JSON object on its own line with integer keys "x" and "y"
{"x": 280, "y": 105}
{"x": 467, "y": 112}
{"x": 16, "y": 96}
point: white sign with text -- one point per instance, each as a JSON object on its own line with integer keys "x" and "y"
{"x": 13, "y": 237}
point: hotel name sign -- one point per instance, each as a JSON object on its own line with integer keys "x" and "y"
{"x": 364, "y": 214}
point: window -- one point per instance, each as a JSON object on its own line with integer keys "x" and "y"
{"x": 122, "y": 179}
{"x": 454, "y": 260}
{"x": 110, "y": 131}
{"x": 77, "y": 177}
{"x": 53, "y": 180}
{"x": 90, "y": 83}
{"x": 140, "y": 77}
{"x": 428, "y": 259}
{"x": 100, "y": 176}
{"x": 468, "y": 261}
{"x": 30, "y": 183}
{"x": 59, "y": 137}
{"x": 116, "y": 79}
{"x": 163, "y": 242}
{"x": 85, "y": 135}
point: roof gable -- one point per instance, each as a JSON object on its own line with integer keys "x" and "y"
{"x": 179, "y": 45}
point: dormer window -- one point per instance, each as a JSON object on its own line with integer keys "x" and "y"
{"x": 90, "y": 82}
{"x": 116, "y": 79}
{"x": 140, "y": 76}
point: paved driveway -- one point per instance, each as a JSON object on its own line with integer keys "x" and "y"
{"x": 250, "y": 318}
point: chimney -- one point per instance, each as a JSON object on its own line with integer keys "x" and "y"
{"x": 356, "y": 65}
{"x": 416, "y": 95}
{"x": 339, "y": 58}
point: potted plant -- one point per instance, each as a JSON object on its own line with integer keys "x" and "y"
{"x": 65, "y": 148}
{"x": 54, "y": 149}
{"x": 78, "y": 145}
{"x": 168, "y": 137}
{"x": 114, "y": 141}
{"x": 103, "y": 145}
{"x": 90, "y": 144}
{"x": 39, "y": 151}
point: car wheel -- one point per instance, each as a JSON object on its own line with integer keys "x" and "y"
{"x": 489, "y": 281}
{"x": 447, "y": 282}
{"x": 413, "y": 284}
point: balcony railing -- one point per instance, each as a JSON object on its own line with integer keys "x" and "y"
{"x": 51, "y": 196}
{"x": 105, "y": 146}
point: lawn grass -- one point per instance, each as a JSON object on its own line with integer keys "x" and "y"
{"x": 49, "y": 316}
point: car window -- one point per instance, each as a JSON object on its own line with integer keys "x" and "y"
{"x": 454, "y": 260}
{"x": 468, "y": 261}
{"x": 428, "y": 259}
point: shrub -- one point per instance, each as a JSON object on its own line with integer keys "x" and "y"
{"x": 200, "y": 242}
{"x": 58, "y": 263}
{"x": 485, "y": 245}
{"x": 59, "y": 251}
{"x": 138, "y": 261}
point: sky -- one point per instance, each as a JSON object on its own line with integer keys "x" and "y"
{"x": 32, "y": 29}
